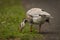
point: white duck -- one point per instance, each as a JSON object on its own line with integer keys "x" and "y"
{"x": 36, "y": 16}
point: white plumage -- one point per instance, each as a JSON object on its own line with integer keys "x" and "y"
{"x": 37, "y": 19}
{"x": 35, "y": 12}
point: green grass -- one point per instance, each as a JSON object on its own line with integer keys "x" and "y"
{"x": 10, "y": 17}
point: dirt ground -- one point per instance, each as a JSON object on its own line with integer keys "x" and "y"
{"x": 51, "y": 32}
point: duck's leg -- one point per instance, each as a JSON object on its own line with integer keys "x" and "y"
{"x": 31, "y": 28}
{"x": 39, "y": 28}
{"x": 31, "y": 24}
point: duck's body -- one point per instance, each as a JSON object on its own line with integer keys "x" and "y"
{"x": 37, "y": 16}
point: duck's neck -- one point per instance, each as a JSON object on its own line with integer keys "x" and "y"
{"x": 24, "y": 20}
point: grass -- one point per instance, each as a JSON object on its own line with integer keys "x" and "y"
{"x": 11, "y": 14}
